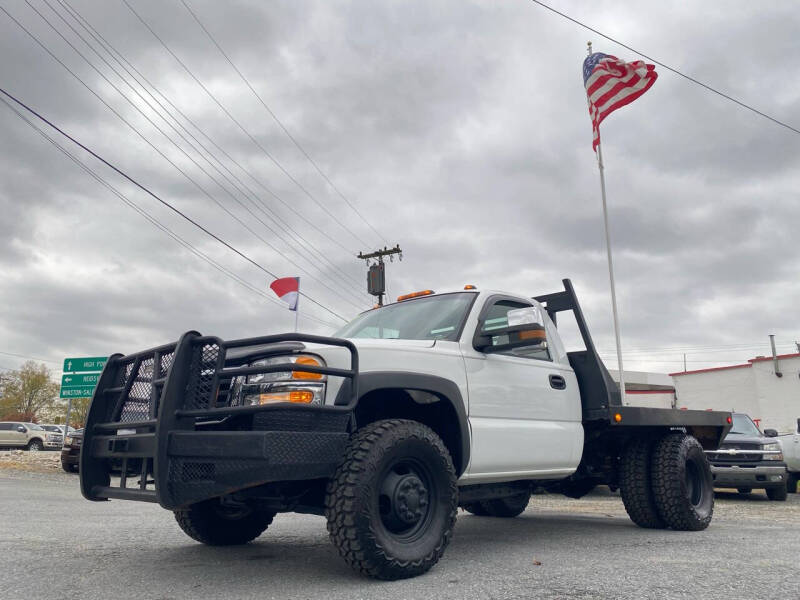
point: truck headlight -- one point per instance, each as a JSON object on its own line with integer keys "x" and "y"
{"x": 302, "y": 359}
{"x": 774, "y": 447}
{"x": 297, "y": 387}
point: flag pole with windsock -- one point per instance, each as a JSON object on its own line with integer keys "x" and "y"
{"x": 288, "y": 290}
{"x": 611, "y": 84}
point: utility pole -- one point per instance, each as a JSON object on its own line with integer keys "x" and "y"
{"x": 376, "y": 274}
{"x": 684, "y": 362}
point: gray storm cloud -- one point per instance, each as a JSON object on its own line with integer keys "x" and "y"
{"x": 458, "y": 129}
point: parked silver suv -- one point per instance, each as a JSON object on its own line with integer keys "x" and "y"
{"x": 28, "y": 435}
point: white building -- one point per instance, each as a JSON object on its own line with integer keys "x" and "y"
{"x": 754, "y": 388}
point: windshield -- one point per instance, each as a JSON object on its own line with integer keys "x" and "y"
{"x": 427, "y": 318}
{"x": 33, "y": 426}
{"x": 51, "y": 428}
{"x": 743, "y": 425}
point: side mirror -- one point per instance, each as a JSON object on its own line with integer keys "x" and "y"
{"x": 21, "y": 429}
{"x": 524, "y": 329}
{"x": 770, "y": 433}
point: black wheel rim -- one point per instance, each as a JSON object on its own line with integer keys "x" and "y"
{"x": 232, "y": 512}
{"x": 694, "y": 483}
{"x": 406, "y": 496}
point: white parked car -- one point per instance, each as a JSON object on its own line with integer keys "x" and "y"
{"x": 790, "y": 444}
{"x": 30, "y": 436}
{"x": 56, "y": 428}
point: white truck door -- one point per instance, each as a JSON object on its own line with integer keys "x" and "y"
{"x": 524, "y": 407}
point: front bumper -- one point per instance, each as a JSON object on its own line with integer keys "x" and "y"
{"x": 752, "y": 476}
{"x": 70, "y": 455}
{"x": 53, "y": 444}
{"x": 166, "y": 414}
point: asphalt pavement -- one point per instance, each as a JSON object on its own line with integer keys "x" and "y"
{"x": 55, "y": 544}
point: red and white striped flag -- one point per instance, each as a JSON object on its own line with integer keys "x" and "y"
{"x": 287, "y": 289}
{"x": 612, "y": 83}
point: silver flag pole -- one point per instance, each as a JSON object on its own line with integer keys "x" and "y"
{"x": 611, "y": 275}
{"x": 610, "y": 262}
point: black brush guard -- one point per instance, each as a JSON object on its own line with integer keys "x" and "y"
{"x": 159, "y": 416}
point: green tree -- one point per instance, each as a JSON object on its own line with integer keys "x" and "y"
{"x": 77, "y": 414}
{"x": 27, "y": 391}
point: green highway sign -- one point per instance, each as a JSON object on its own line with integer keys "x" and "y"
{"x": 80, "y": 380}
{"x": 91, "y": 363}
{"x": 77, "y": 392}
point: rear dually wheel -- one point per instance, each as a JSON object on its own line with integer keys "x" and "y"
{"x": 683, "y": 488}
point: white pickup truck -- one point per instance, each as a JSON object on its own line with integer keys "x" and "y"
{"x": 439, "y": 401}
{"x": 790, "y": 444}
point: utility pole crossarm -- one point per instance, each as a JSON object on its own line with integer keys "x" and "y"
{"x": 376, "y": 276}
{"x": 379, "y": 254}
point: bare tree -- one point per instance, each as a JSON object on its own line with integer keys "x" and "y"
{"x": 25, "y": 392}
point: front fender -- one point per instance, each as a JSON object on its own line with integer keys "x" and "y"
{"x": 444, "y": 390}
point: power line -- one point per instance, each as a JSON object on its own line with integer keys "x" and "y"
{"x": 58, "y": 362}
{"x": 676, "y": 71}
{"x": 162, "y": 201}
{"x": 238, "y": 124}
{"x": 261, "y": 205}
{"x": 174, "y": 165}
{"x": 278, "y": 121}
{"x": 153, "y": 220}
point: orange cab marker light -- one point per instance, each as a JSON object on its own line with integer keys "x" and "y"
{"x": 469, "y": 286}
{"x": 414, "y": 295}
{"x": 617, "y": 417}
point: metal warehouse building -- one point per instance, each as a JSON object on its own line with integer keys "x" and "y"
{"x": 766, "y": 388}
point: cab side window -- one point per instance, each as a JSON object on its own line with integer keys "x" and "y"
{"x": 497, "y": 317}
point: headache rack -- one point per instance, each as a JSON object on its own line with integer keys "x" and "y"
{"x": 159, "y": 417}
{"x": 600, "y": 395}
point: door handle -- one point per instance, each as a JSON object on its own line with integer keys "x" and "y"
{"x": 558, "y": 382}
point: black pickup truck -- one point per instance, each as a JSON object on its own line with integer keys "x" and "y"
{"x": 748, "y": 459}
{"x": 465, "y": 398}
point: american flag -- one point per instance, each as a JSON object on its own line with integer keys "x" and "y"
{"x": 612, "y": 83}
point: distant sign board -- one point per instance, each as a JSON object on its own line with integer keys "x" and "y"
{"x": 81, "y": 375}
{"x": 87, "y": 364}
{"x": 77, "y": 392}
{"x": 79, "y": 379}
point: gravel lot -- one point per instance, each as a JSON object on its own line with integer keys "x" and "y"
{"x": 52, "y": 543}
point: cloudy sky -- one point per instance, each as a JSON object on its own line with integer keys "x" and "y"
{"x": 457, "y": 129}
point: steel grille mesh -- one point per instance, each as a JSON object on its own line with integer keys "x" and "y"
{"x": 200, "y": 387}
{"x": 166, "y": 363}
{"x": 137, "y": 404}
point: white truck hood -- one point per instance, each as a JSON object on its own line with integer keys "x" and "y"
{"x": 433, "y": 357}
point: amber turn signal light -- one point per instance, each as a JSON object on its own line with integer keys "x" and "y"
{"x": 306, "y": 360}
{"x": 294, "y": 396}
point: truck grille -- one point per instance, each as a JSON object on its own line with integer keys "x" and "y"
{"x": 740, "y": 457}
